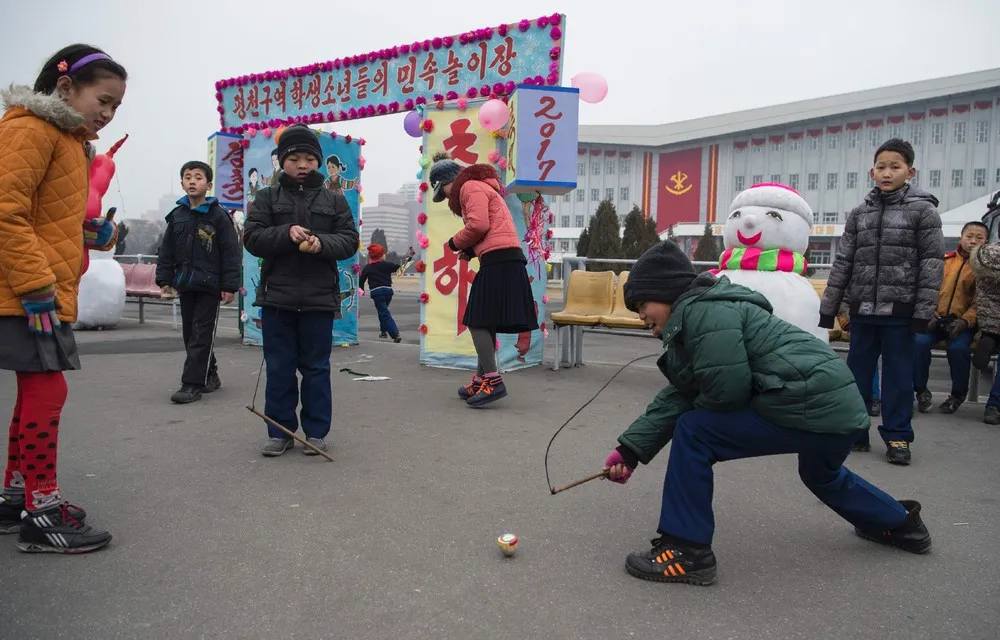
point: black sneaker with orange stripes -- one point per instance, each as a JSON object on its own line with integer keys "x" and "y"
{"x": 490, "y": 390}
{"x": 671, "y": 562}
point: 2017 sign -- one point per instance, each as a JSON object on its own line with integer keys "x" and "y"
{"x": 542, "y": 140}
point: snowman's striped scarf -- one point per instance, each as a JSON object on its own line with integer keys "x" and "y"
{"x": 754, "y": 259}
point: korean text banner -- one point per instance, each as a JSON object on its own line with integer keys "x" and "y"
{"x": 447, "y": 279}
{"x": 225, "y": 157}
{"x": 340, "y": 166}
{"x": 383, "y": 81}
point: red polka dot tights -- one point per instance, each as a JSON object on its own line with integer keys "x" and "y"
{"x": 34, "y": 437}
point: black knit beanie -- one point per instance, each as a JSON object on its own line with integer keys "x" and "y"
{"x": 298, "y": 139}
{"x": 660, "y": 275}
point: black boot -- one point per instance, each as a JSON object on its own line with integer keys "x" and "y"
{"x": 671, "y": 562}
{"x": 55, "y": 530}
{"x": 187, "y": 394}
{"x": 214, "y": 382}
{"x": 910, "y": 536}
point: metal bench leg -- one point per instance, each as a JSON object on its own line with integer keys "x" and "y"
{"x": 557, "y": 334}
{"x": 974, "y": 386}
{"x": 578, "y": 352}
{"x": 142, "y": 313}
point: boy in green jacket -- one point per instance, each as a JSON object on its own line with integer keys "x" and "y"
{"x": 743, "y": 384}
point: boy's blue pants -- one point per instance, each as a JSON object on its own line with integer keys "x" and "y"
{"x": 702, "y": 438}
{"x": 894, "y": 342}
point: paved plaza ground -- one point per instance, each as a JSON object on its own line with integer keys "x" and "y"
{"x": 397, "y": 538}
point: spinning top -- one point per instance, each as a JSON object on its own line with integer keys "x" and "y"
{"x": 508, "y": 544}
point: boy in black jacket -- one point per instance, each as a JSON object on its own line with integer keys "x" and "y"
{"x": 378, "y": 275}
{"x": 300, "y": 230}
{"x": 201, "y": 259}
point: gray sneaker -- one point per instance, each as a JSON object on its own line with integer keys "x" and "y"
{"x": 319, "y": 443}
{"x": 275, "y": 447}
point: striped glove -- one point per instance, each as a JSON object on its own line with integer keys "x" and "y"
{"x": 40, "y": 306}
{"x": 98, "y": 232}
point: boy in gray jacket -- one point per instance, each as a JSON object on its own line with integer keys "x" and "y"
{"x": 890, "y": 265}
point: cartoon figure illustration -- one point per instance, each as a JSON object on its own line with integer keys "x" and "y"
{"x": 335, "y": 182}
{"x": 766, "y": 235}
{"x": 276, "y": 174}
{"x": 253, "y": 185}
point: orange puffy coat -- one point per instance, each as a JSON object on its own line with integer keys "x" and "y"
{"x": 44, "y": 178}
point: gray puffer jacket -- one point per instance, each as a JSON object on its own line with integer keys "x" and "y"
{"x": 890, "y": 260}
{"x": 985, "y": 261}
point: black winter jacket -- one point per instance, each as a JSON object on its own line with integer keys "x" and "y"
{"x": 200, "y": 251}
{"x": 289, "y": 278}
{"x": 890, "y": 260}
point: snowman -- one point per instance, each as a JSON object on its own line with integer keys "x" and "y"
{"x": 766, "y": 235}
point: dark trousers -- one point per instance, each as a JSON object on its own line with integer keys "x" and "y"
{"x": 199, "y": 315}
{"x": 894, "y": 342}
{"x": 298, "y": 341}
{"x": 702, "y": 438}
{"x": 959, "y": 360}
{"x": 382, "y": 297}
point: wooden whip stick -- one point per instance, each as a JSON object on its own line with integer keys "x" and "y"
{"x": 602, "y": 474}
{"x": 290, "y": 434}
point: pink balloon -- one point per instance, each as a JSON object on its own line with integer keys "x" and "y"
{"x": 593, "y": 87}
{"x": 493, "y": 114}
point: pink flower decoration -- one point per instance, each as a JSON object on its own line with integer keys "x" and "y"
{"x": 408, "y": 104}
{"x": 555, "y": 52}
{"x": 421, "y": 218}
{"x": 545, "y": 333}
{"x": 462, "y": 104}
{"x": 243, "y": 291}
{"x": 347, "y": 138}
{"x": 502, "y": 164}
{"x": 496, "y": 344}
{"x": 422, "y": 329}
{"x": 333, "y": 134}
{"x": 362, "y": 141}
{"x": 424, "y": 242}
{"x": 424, "y": 297}
{"x": 266, "y": 132}
{"x": 498, "y": 88}
{"x": 552, "y": 78}
{"x": 448, "y": 41}
{"x": 436, "y": 43}
{"x": 555, "y": 19}
{"x": 420, "y": 198}
{"x": 244, "y": 143}
{"x": 549, "y": 234}
{"x": 509, "y": 87}
{"x": 359, "y": 188}
{"x": 472, "y": 92}
{"x": 494, "y": 156}
{"x": 362, "y": 162}
{"x": 361, "y": 293}
{"x": 545, "y": 298}
{"x": 524, "y": 25}
{"x": 356, "y": 268}
{"x": 542, "y": 22}
{"x": 404, "y": 49}
{"x": 556, "y": 33}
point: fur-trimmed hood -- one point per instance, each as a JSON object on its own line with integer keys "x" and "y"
{"x": 985, "y": 261}
{"x": 47, "y": 107}
{"x": 481, "y": 172}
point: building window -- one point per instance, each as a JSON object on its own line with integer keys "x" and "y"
{"x": 833, "y": 142}
{"x": 564, "y": 245}
{"x": 829, "y": 217}
{"x": 853, "y": 139}
{"x": 959, "y": 133}
{"x": 595, "y": 195}
{"x": 916, "y": 134}
{"x": 793, "y": 181}
{"x": 814, "y": 143}
{"x": 983, "y": 131}
{"x": 998, "y": 176}
{"x": 611, "y": 168}
{"x": 623, "y": 166}
{"x": 979, "y": 178}
{"x": 852, "y": 180}
{"x": 579, "y": 221}
{"x": 581, "y": 169}
{"x": 739, "y": 182}
{"x": 595, "y": 168}
{"x": 813, "y": 182}
{"x": 757, "y": 179}
{"x": 740, "y": 149}
{"x": 776, "y": 177}
{"x": 875, "y": 138}
{"x": 624, "y": 194}
{"x": 831, "y": 181}
{"x": 895, "y": 131}
{"x": 934, "y": 179}
{"x": 758, "y": 148}
{"x": 776, "y": 147}
{"x": 609, "y": 194}
{"x": 915, "y": 180}
{"x": 581, "y": 195}
{"x": 820, "y": 257}
{"x": 566, "y": 198}
{"x": 564, "y": 221}
{"x": 794, "y": 145}
{"x": 937, "y": 133}
{"x": 572, "y": 246}
{"x": 957, "y": 177}
{"x": 816, "y": 217}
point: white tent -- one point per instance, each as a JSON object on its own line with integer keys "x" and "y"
{"x": 968, "y": 212}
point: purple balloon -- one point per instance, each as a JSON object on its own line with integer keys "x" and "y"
{"x": 411, "y": 124}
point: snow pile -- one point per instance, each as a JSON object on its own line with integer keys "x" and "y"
{"x": 102, "y": 294}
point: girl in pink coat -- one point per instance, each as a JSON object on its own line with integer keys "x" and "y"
{"x": 500, "y": 299}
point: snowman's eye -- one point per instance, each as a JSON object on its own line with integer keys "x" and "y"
{"x": 775, "y": 215}
{"x": 734, "y": 215}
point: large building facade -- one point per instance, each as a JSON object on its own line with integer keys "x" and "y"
{"x": 685, "y": 174}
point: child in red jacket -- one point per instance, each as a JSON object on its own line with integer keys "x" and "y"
{"x": 500, "y": 299}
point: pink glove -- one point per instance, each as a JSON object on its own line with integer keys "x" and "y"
{"x": 615, "y": 459}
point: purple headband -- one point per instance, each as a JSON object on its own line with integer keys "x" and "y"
{"x": 85, "y": 60}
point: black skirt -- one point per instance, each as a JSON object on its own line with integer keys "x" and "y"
{"x": 500, "y": 297}
{"x": 21, "y": 350}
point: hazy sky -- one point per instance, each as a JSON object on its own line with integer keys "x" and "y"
{"x": 671, "y": 61}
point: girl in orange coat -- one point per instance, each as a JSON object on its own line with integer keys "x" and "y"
{"x": 45, "y": 155}
{"x": 500, "y": 299}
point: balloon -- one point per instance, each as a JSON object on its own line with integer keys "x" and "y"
{"x": 411, "y": 124}
{"x": 493, "y": 114}
{"x": 102, "y": 169}
{"x": 593, "y": 87}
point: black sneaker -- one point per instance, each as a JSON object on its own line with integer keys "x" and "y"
{"x": 910, "y": 536}
{"x": 187, "y": 394}
{"x": 397, "y": 338}
{"x": 319, "y": 443}
{"x": 214, "y": 383}
{"x": 861, "y": 447}
{"x": 898, "y": 452}
{"x": 383, "y": 336}
{"x": 925, "y": 401}
{"x": 876, "y": 409}
{"x": 991, "y": 415}
{"x": 470, "y": 389}
{"x": 11, "y": 510}
{"x": 55, "y": 530}
{"x": 491, "y": 390}
{"x": 952, "y": 404}
{"x": 275, "y": 447}
{"x": 669, "y": 562}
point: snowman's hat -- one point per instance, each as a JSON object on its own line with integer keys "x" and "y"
{"x": 777, "y": 196}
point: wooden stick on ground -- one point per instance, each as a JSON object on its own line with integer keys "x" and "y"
{"x": 290, "y": 434}
{"x": 602, "y": 474}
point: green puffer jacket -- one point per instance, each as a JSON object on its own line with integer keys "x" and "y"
{"x": 727, "y": 352}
